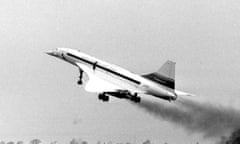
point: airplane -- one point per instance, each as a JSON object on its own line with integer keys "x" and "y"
{"x": 111, "y": 80}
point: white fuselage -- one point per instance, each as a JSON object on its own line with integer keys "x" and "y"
{"x": 115, "y": 76}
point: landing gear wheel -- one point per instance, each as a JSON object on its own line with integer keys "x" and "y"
{"x": 135, "y": 98}
{"x": 106, "y": 98}
{"x": 138, "y": 100}
{"x": 79, "y": 82}
{"x": 103, "y": 97}
{"x": 100, "y": 96}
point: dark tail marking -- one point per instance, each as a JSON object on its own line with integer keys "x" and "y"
{"x": 165, "y": 75}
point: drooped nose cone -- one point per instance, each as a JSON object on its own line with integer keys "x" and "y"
{"x": 50, "y": 53}
{"x": 53, "y": 53}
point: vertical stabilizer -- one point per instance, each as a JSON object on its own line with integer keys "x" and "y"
{"x": 168, "y": 70}
{"x": 165, "y": 75}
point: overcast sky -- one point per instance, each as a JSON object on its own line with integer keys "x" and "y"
{"x": 39, "y": 96}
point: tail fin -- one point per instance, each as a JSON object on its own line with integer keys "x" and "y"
{"x": 168, "y": 70}
{"x": 165, "y": 75}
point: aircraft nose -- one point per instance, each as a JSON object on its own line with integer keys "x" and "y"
{"x": 50, "y": 53}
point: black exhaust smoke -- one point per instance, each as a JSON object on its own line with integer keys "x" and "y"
{"x": 213, "y": 121}
{"x": 234, "y": 138}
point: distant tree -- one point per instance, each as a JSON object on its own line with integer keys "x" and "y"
{"x": 2, "y": 142}
{"x": 76, "y": 141}
{"x": 147, "y": 142}
{"x": 10, "y": 142}
{"x": 98, "y": 142}
{"x": 53, "y": 142}
{"x": 19, "y": 142}
{"x": 84, "y": 142}
{"x": 73, "y": 141}
{"x": 35, "y": 141}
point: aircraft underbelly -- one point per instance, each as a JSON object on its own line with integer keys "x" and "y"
{"x": 96, "y": 84}
{"x": 100, "y": 81}
{"x": 161, "y": 92}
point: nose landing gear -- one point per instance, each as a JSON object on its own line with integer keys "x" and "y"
{"x": 80, "y": 77}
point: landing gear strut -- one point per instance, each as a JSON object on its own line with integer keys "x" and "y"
{"x": 103, "y": 97}
{"x": 80, "y": 77}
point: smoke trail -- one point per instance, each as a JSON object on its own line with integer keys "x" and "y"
{"x": 210, "y": 120}
{"x": 233, "y": 139}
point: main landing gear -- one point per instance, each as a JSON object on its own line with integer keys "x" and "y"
{"x": 135, "y": 98}
{"x": 80, "y": 77}
{"x": 103, "y": 97}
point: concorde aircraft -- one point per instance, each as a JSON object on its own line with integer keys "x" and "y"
{"x": 111, "y": 80}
